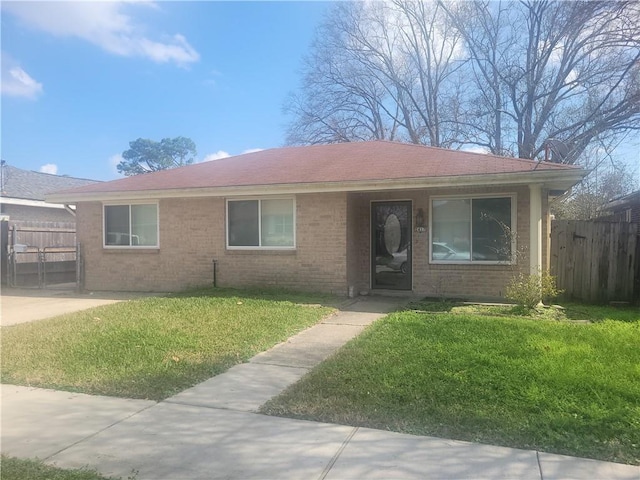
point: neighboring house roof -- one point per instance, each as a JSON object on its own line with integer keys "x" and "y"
{"x": 625, "y": 208}
{"x": 625, "y": 201}
{"x": 29, "y": 185}
{"x": 355, "y": 166}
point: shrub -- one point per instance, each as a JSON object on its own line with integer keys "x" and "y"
{"x": 528, "y": 290}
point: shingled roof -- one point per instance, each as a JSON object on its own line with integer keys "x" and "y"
{"x": 30, "y": 185}
{"x": 347, "y": 164}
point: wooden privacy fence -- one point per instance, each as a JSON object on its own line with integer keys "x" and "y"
{"x": 596, "y": 261}
{"x": 42, "y": 234}
{"x": 39, "y": 254}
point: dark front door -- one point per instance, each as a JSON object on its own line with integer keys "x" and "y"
{"x": 391, "y": 245}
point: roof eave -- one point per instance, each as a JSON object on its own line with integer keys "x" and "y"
{"x": 550, "y": 179}
{"x": 625, "y": 201}
{"x": 30, "y": 203}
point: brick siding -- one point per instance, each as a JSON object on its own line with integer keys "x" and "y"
{"x": 192, "y": 235}
{"x": 473, "y": 281}
{"x": 332, "y": 248}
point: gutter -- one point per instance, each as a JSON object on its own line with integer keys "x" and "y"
{"x": 68, "y": 208}
{"x": 29, "y": 203}
{"x": 552, "y": 179}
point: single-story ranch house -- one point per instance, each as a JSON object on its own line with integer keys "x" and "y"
{"x": 352, "y": 217}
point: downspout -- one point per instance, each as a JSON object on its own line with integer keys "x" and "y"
{"x": 535, "y": 229}
{"x": 68, "y": 208}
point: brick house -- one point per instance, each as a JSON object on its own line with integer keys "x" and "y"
{"x": 353, "y": 217}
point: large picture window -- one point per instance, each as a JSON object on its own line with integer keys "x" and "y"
{"x": 263, "y": 223}
{"x": 134, "y": 225}
{"x": 472, "y": 229}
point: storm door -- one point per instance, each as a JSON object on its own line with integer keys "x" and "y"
{"x": 391, "y": 245}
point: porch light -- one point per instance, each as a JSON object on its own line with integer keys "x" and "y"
{"x": 420, "y": 227}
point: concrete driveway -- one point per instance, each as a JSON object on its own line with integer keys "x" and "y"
{"x": 20, "y": 305}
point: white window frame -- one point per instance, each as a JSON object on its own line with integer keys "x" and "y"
{"x": 471, "y": 197}
{"x": 260, "y": 246}
{"x": 129, "y": 204}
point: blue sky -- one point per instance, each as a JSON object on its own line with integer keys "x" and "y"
{"x": 80, "y": 80}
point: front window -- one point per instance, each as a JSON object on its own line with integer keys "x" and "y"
{"x": 133, "y": 225}
{"x": 472, "y": 229}
{"x": 264, "y": 223}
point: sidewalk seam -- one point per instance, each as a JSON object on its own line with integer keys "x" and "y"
{"x": 251, "y": 362}
{"x": 539, "y": 465}
{"x": 210, "y": 407}
{"x": 334, "y": 459}
{"x": 99, "y": 431}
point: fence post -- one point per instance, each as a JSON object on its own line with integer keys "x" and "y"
{"x": 77, "y": 268}
{"x": 43, "y": 253}
{"x": 79, "y": 279}
{"x": 41, "y": 269}
{"x": 12, "y": 261}
{"x": 11, "y": 271}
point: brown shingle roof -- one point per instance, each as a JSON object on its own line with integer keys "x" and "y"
{"x": 335, "y": 163}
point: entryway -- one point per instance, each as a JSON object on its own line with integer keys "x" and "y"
{"x": 391, "y": 245}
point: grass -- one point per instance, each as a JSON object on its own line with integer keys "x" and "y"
{"x": 21, "y": 469}
{"x": 488, "y": 374}
{"x": 566, "y": 312}
{"x": 154, "y": 347}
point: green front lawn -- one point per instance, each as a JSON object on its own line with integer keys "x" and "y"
{"x": 20, "y": 469}
{"x": 154, "y": 347}
{"x": 487, "y": 375}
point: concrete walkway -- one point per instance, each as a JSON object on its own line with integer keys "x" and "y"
{"x": 247, "y": 386}
{"x": 21, "y": 305}
{"x": 212, "y": 431}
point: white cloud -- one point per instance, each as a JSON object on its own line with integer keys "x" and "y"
{"x": 475, "y": 149}
{"x": 222, "y": 154}
{"x": 15, "y": 82}
{"x": 216, "y": 156}
{"x": 51, "y": 168}
{"x": 179, "y": 51}
{"x": 211, "y": 81}
{"x": 114, "y": 160}
{"x": 106, "y": 25}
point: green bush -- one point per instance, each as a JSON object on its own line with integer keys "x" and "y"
{"x": 529, "y": 290}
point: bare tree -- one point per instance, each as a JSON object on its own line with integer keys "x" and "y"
{"x": 482, "y": 26}
{"x": 340, "y": 100}
{"x": 379, "y": 70}
{"x": 511, "y": 77}
{"x": 565, "y": 72}
{"x": 433, "y": 55}
{"x": 590, "y": 198}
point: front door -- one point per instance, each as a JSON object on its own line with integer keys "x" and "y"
{"x": 391, "y": 245}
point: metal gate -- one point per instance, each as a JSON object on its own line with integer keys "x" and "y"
{"x": 42, "y": 256}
